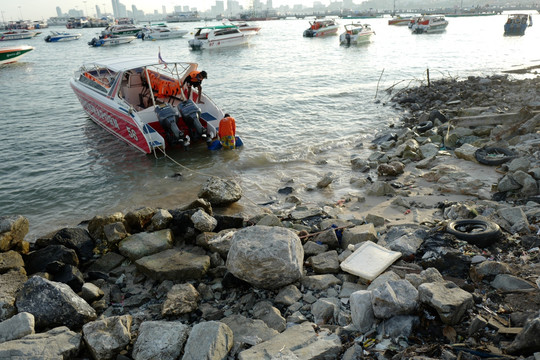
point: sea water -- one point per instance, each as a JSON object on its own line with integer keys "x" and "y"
{"x": 303, "y": 107}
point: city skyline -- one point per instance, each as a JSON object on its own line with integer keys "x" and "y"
{"x": 44, "y": 9}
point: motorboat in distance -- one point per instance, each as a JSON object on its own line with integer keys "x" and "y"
{"x": 56, "y": 36}
{"x": 356, "y": 33}
{"x": 219, "y": 36}
{"x": 320, "y": 28}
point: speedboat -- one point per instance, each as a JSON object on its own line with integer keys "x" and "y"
{"x": 399, "y": 20}
{"x": 356, "y": 34}
{"x": 517, "y": 23}
{"x": 320, "y": 28}
{"x": 430, "y": 24}
{"x": 161, "y": 32}
{"x": 12, "y": 54}
{"x": 245, "y": 27}
{"x": 111, "y": 40}
{"x": 56, "y": 36}
{"x": 212, "y": 37}
{"x": 18, "y": 34}
{"x": 121, "y": 30}
{"x": 141, "y": 101}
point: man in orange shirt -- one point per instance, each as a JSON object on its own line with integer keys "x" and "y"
{"x": 194, "y": 79}
{"x": 227, "y": 132}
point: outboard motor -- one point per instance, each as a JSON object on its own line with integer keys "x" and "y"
{"x": 348, "y": 38}
{"x": 167, "y": 119}
{"x": 92, "y": 42}
{"x": 309, "y": 33}
{"x": 191, "y": 114}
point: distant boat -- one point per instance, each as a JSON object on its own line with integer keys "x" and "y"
{"x": 161, "y": 32}
{"x": 56, "y": 36}
{"x": 320, "y": 28}
{"x": 18, "y": 35}
{"x": 517, "y": 23}
{"x": 12, "y": 54}
{"x": 428, "y": 24}
{"x": 400, "y": 20}
{"x": 111, "y": 40}
{"x": 356, "y": 34}
{"x": 212, "y": 37}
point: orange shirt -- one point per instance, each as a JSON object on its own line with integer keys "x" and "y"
{"x": 227, "y": 127}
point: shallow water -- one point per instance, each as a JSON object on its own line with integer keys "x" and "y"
{"x": 301, "y": 105}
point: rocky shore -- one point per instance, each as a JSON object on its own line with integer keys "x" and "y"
{"x": 435, "y": 256}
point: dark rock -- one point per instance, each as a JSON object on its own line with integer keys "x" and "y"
{"x": 73, "y": 238}
{"x": 37, "y": 261}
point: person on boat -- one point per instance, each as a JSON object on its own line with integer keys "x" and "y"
{"x": 194, "y": 79}
{"x": 227, "y": 132}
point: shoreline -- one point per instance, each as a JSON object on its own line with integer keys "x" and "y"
{"x": 410, "y": 190}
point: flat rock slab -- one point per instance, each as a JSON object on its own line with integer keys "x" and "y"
{"x": 174, "y": 264}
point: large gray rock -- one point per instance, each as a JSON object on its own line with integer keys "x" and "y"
{"x": 527, "y": 341}
{"x": 174, "y": 264}
{"x": 248, "y": 331}
{"x": 320, "y": 282}
{"x": 211, "y": 340}
{"x": 297, "y": 342}
{"x": 271, "y": 316}
{"x": 162, "y": 340}
{"x": 53, "y": 304}
{"x": 10, "y": 284}
{"x": 13, "y": 229}
{"x": 404, "y": 239}
{"x": 448, "y": 299}
{"x": 325, "y": 311}
{"x": 58, "y": 343}
{"x": 96, "y": 224}
{"x": 325, "y": 263}
{"x": 144, "y": 244}
{"x": 16, "y": 327}
{"x": 362, "y": 310}
{"x": 358, "y": 234}
{"x": 106, "y": 338}
{"x": 220, "y": 191}
{"x": 266, "y": 257}
{"x": 203, "y": 222}
{"x": 507, "y": 282}
{"x": 181, "y": 299}
{"x": 397, "y": 297}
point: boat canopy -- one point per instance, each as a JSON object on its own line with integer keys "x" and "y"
{"x": 123, "y": 64}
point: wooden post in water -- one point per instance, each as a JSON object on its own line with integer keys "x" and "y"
{"x": 427, "y": 72}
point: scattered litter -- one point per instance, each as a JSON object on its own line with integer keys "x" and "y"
{"x": 369, "y": 260}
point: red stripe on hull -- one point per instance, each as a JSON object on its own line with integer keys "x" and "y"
{"x": 114, "y": 121}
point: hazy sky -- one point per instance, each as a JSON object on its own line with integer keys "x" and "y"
{"x": 44, "y": 9}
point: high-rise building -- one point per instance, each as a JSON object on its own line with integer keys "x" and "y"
{"x": 98, "y": 11}
{"x": 115, "y": 8}
{"x": 164, "y": 10}
{"x": 58, "y": 11}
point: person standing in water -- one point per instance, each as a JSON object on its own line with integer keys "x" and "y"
{"x": 227, "y": 132}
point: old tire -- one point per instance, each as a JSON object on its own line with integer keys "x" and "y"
{"x": 477, "y": 232}
{"x": 493, "y": 155}
{"x": 424, "y": 126}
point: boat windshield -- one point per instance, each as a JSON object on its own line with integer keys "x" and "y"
{"x": 101, "y": 79}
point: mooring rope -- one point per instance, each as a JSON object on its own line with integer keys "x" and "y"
{"x": 183, "y": 166}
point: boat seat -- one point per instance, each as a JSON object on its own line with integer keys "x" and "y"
{"x": 135, "y": 80}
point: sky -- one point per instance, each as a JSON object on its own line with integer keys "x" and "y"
{"x": 44, "y": 9}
